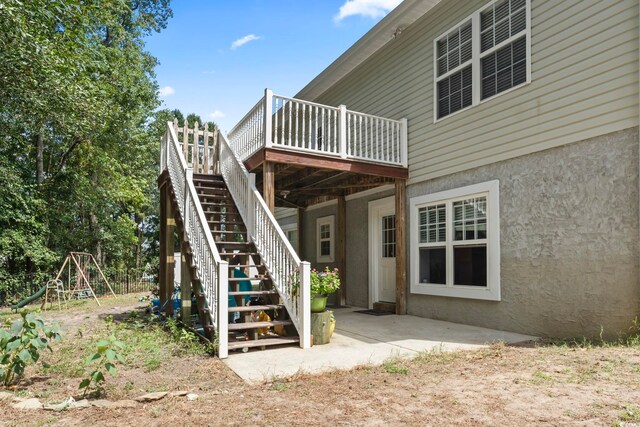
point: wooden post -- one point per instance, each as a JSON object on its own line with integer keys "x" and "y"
{"x": 268, "y": 182}
{"x": 205, "y": 148}
{"x": 196, "y": 147}
{"x": 342, "y": 249}
{"x": 185, "y": 289}
{"x": 301, "y": 233}
{"x": 401, "y": 247}
{"x": 167, "y": 225}
{"x": 162, "y": 279}
{"x": 185, "y": 140}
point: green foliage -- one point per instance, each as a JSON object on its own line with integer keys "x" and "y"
{"x": 21, "y": 344}
{"x": 395, "y": 365}
{"x": 78, "y": 145}
{"x": 324, "y": 282}
{"x": 105, "y": 358}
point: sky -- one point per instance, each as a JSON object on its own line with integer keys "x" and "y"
{"x": 216, "y": 57}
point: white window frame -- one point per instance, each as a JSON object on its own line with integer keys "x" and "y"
{"x": 476, "y": 57}
{"x": 325, "y": 220}
{"x": 491, "y": 292}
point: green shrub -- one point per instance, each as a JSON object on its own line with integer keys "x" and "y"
{"x": 104, "y": 359}
{"x": 21, "y": 344}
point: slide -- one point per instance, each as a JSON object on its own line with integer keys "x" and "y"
{"x": 33, "y": 297}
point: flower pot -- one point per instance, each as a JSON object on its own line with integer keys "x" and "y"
{"x": 318, "y": 303}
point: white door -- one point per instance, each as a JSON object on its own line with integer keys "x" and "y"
{"x": 382, "y": 251}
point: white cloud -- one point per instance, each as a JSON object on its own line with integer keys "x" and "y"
{"x": 370, "y": 8}
{"x": 244, "y": 40}
{"x": 167, "y": 91}
{"x": 217, "y": 114}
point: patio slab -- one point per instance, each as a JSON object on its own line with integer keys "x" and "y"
{"x": 361, "y": 339}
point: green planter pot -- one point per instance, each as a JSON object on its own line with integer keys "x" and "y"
{"x": 318, "y": 303}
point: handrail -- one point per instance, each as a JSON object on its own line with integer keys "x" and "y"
{"x": 290, "y": 276}
{"x": 292, "y": 124}
{"x": 210, "y": 269}
{"x": 248, "y": 135}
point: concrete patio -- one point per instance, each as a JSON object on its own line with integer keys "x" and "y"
{"x": 361, "y": 339}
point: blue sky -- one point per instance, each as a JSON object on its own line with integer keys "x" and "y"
{"x": 279, "y": 44}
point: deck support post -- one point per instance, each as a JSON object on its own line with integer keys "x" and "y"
{"x": 185, "y": 288}
{"x": 401, "y": 247}
{"x": 268, "y": 182}
{"x": 167, "y": 227}
{"x": 342, "y": 249}
{"x": 301, "y": 241}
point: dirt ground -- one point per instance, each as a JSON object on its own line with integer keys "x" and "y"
{"x": 536, "y": 385}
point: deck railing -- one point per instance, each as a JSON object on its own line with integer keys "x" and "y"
{"x": 290, "y": 276}
{"x": 210, "y": 269}
{"x": 200, "y": 147}
{"x": 296, "y": 125}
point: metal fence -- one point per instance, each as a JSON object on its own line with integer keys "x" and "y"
{"x": 121, "y": 281}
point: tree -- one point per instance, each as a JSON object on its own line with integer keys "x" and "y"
{"x": 77, "y": 91}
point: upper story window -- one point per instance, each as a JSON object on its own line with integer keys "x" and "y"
{"x": 488, "y": 53}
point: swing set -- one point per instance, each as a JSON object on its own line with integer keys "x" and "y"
{"x": 80, "y": 268}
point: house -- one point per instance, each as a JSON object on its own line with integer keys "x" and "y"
{"x": 522, "y": 197}
{"x": 472, "y": 161}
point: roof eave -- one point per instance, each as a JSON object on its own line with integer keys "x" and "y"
{"x": 405, "y": 14}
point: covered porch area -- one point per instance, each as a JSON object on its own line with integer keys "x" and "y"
{"x": 304, "y": 154}
{"x": 362, "y": 339}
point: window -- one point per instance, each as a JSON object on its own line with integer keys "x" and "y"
{"x": 388, "y": 236}
{"x": 455, "y": 243}
{"x": 487, "y": 54}
{"x": 324, "y": 239}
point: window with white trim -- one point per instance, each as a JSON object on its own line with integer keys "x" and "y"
{"x": 325, "y": 239}
{"x": 455, "y": 243}
{"x": 487, "y": 54}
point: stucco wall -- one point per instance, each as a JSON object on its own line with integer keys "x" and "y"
{"x": 358, "y": 249}
{"x": 569, "y": 241}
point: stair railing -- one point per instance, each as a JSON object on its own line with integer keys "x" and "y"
{"x": 291, "y": 277}
{"x": 210, "y": 269}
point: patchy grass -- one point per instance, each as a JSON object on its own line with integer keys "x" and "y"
{"x": 395, "y": 365}
{"x": 629, "y": 415}
{"x": 563, "y": 382}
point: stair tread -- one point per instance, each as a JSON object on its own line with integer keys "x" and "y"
{"x": 244, "y": 308}
{"x": 240, "y": 279}
{"x": 237, "y": 253}
{"x": 263, "y": 342}
{"x": 256, "y": 325}
{"x": 240, "y": 293}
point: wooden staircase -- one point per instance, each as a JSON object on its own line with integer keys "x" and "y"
{"x": 246, "y": 328}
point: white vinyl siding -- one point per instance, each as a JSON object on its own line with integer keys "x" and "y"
{"x": 584, "y": 83}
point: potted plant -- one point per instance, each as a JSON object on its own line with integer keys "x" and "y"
{"x": 323, "y": 283}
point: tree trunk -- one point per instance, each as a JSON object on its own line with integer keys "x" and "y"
{"x": 39, "y": 158}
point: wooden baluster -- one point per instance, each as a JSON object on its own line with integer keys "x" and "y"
{"x": 205, "y": 147}
{"x": 296, "y": 132}
{"x": 304, "y": 145}
{"x": 185, "y": 140}
{"x": 282, "y": 108}
{"x": 196, "y": 146}
{"x": 290, "y": 108}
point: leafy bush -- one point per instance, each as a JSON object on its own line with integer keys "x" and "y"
{"x": 325, "y": 282}
{"x": 21, "y": 344}
{"x": 104, "y": 359}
